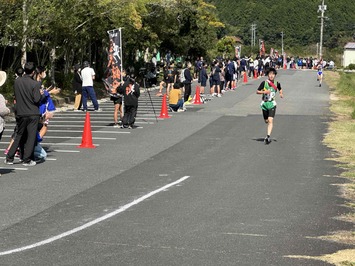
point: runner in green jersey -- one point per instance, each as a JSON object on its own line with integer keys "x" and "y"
{"x": 268, "y": 89}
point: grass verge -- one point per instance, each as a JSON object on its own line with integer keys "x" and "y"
{"x": 341, "y": 139}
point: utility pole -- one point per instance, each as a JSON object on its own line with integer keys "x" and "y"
{"x": 253, "y": 35}
{"x": 321, "y": 8}
{"x": 282, "y": 43}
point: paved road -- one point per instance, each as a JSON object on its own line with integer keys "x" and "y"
{"x": 199, "y": 188}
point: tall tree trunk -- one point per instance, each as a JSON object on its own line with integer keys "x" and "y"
{"x": 52, "y": 60}
{"x": 24, "y": 33}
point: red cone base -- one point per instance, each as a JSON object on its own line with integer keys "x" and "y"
{"x": 86, "y": 141}
{"x": 255, "y": 74}
{"x": 197, "y": 97}
{"x": 164, "y": 108}
{"x": 245, "y": 80}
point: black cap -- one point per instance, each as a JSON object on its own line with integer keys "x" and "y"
{"x": 86, "y": 64}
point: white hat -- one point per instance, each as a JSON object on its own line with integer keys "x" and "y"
{"x": 2, "y": 77}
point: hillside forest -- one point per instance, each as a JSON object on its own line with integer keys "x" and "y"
{"x": 60, "y": 33}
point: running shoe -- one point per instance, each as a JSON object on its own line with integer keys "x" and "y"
{"x": 267, "y": 140}
{"x": 8, "y": 162}
{"x": 29, "y": 163}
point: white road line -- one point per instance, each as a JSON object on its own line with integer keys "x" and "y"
{"x": 8, "y": 126}
{"x": 96, "y": 221}
{"x": 69, "y": 137}
{"x": 57, "y": 144}
{"x": 14, "y": 168}
{"x": 64, "y": 151}
{"x": 93, "y": 132}
{"x": 55, "y": 121}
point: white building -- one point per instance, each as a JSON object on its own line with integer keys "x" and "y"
{"x": 349, "y": 54}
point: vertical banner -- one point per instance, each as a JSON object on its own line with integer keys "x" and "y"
{"x": 237, "y": 51}
{"x": 262, "y": 47}
{"x": 114, "y": 65}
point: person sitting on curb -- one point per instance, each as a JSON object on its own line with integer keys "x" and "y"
{"x": 176, "y": 103}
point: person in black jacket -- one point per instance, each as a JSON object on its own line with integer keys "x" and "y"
{"x": 28, "y": 97}
{"x": 131, "y": 92}
{"x": 187, "y": 81}
{"x": 77, "y": 87}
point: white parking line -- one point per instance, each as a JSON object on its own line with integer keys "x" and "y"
{"x": 96, "y": 221}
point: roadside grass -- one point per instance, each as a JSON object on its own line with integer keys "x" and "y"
{"x": 341, "y": 139}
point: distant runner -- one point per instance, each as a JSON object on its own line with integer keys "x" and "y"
{"x": 268, "y": 90}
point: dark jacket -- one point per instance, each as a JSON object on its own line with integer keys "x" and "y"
{"x": 203, "y": 75}
{"x": 28, "y": 96}
{"x": 188, "y": 77}
{"x": 77, "y": 82}
{"x": 130, "y": 97}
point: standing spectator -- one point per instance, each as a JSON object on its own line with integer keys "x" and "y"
{"x": 187, "y": 82}
{"x": 251, "y": 67}
{"x": 222, "y": 76}
{"x": 131, "y": 92}
{"x": 18, "y": 73}
{"x": 203, "y": 77}
{"x": 165, "y": 82}
{"x": 77, "y": 87}
{"x": 3, "y": 109}
{"x": 88, "y": 75}
{"x": 168, "y": 58}
{"x": 229, "y": 74}
{"x": 256, "y": 67}
{"x": 215, "y": 80}
{"x": 28, "y": 96}
{"x": 331, "y": 64}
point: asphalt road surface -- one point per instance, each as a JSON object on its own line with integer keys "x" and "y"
{"x": 199, "y": 188}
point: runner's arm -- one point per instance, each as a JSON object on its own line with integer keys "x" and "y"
{"x": 261, "y": 90}
{"x": 280, "y": 89}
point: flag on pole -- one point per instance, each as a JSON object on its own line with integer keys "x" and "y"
{"x": 262, "y": 47}
{"x": 114, "y": 65}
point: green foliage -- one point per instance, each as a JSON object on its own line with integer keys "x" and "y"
{"x": 77, "y": 30}
{"x": 298, "y": 20}
{"x": 351, "y": 66}
{"x": 346, "y": 84}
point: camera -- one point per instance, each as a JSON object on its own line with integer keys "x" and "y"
{"x": 143, "y": 71}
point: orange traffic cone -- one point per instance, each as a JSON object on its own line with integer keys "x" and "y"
{"x": 164, "y": 108}
{"x": 245, "y": 80}
{"x": 255, "y": 74}
{"x": 197, "y": 97}
{"x": 86, "y": 141}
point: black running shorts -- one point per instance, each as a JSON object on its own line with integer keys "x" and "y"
{"x": 269, "y": 113}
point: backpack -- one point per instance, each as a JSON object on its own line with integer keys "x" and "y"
{"x": 182, "y": 75}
